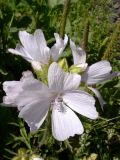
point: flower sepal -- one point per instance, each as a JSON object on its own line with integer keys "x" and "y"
{"x": 22, "y": 155}
{"x": 63, "y": 64}
{"x": 35, "y": 157}
{"x": 42, "y": 74}
{"x": 76, "y": 69}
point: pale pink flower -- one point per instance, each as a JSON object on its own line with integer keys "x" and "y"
{"x": 34, "y": 99}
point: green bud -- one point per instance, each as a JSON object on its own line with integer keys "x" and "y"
{"x": 35, "y": 156}
{"x": 63, "y": 64}
{"x": 22, "y": 155}
{"x": 43, "y": 73}
{"x": 16, "y": 158}
{"x": 93, "y": 156}
{"x": 75, "y": 69}
{"x": 21, "y": 151}
{"x": 80, "y": 68}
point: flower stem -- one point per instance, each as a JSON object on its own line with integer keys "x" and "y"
{"x": 85, "y": 36}
{"x": 64, "y": 17}
{"x": 47, "y": 129}
{"x": 114, "y": 38}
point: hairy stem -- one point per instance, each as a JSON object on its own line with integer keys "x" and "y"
{"x": 64, "y": 18}
{"x": 114, "y": 38}
{"x": 85, "y": 36}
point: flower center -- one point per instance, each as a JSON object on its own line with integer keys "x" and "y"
{"x": 57, "y": 104}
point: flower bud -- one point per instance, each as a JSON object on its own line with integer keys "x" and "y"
{"x": 78, "y": 68}
{"x": 63, "y": 64}
{"x": 35, "y": 157}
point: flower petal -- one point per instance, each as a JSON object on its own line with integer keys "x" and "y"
{"x": 79, "y": 55}
{"x": 71, "y": 81}
{"x": 12, "y": 89}
{"x": 32, "y": 89}
{"x": 59, "y": 46}
{"x": 98, "y": 72}
{"x": 27, "y": 40}
{"x": 98, "y": 95}
{"x": 36, "y": 65}
{"x": 35, "y": 113}
{"x": 81, "y": 102}
{"x": 58, "y": 80}
{"x": 35, "y": 45}
{"x": 44, "y": 51}
{"x": 65, "y": 123}
{"x": 23, "y": 92}
{"x": 29, "y": 43}
{"x": 20, "y": 50}
{"x": 32, "y": 98}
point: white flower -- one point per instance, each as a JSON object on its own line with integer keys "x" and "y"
{"x": 33, "y": 99}
{"x": 34, "y": 48}
{"x": 97, "y": 72}
{"x": 94, "y": 74}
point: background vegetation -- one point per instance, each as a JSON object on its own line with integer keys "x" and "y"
{"x": 92, "y": 24}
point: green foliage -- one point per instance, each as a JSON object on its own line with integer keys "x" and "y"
{"x": 101, "y": 139}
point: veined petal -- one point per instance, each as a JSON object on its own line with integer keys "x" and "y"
{"x": 98, "y": 95}
{"x": 65, "y": 123}
{"x": 35, "y": 45}
{"x": 28, "y": 81}
{"x": 59, "y": 46}
{"x": 71, "y": 81}
{"x": 98, "y": 72}
{"x": 44, "y": 51}
{"x": 20, "y": 50}
{"x": 35, "y": 113}
{"x": 27, "y": 40}
{"x": 79, "y": 55}
{"x": 25, "y": 91}
{"x": 60, "y": 81}
{"x": 29, "y": 43}
{"x": 112, "y": 75}
{"x": 40, "y": 38}
{"x": 55, "y": 77}
{"x": 32, "y": 89}
{"x": 12, "y": 89}
{"x": 81, "y": 102}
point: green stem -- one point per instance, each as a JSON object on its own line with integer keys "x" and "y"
{"x": 24, "y": 135}
{"x": 105, "y": 121}
{"x": 67, "y": 144}
{"x": 114, "y": 37}
{"x": 64, "y": 17}
{"x": 11, "y": 21}
{"x": 47, "y": 129}
{"x": 85, "y": 36}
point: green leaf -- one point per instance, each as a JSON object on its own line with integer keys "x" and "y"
{"x": 10, "y": 151}
{"x": 3, "y": 72}
{"x": 53, "y": 3}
